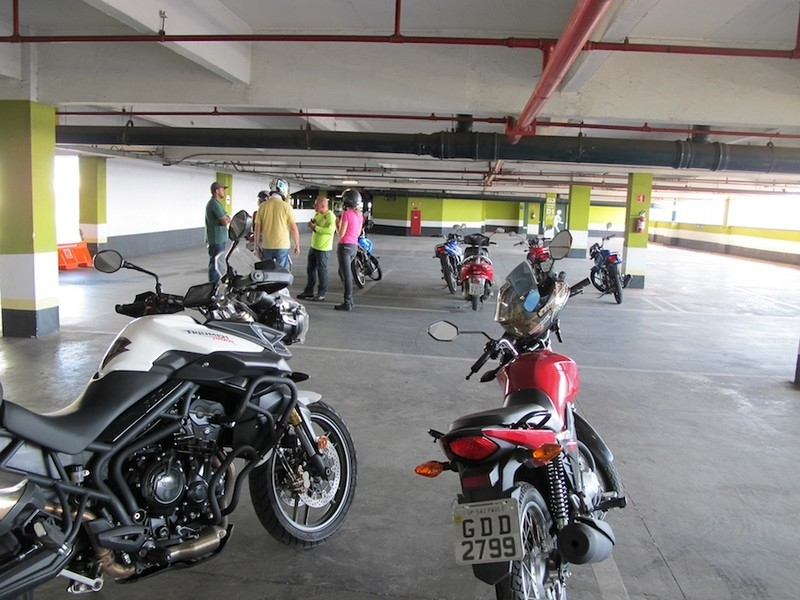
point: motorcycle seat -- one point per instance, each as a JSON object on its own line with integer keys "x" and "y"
{"x": 506, "y": 415}
{"x": 73, "y": 428}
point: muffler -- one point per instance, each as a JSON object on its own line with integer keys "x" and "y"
{"x": 586, "y": 540}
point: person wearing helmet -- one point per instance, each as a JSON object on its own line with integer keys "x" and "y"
{"x": 348, "y": 226}
{"x": 275, "y": 228}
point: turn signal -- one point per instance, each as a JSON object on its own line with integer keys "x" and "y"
{"x": 545, "y": 453}
{"x": 432, "y": 468}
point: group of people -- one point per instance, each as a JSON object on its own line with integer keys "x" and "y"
{"x": 276, "y": 233}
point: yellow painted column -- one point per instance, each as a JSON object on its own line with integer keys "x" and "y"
{"x": 28, "y": 251}
{"x": 92, "y": 199}
{"x": 640, "y": 187}
{"x": 578, "y": 224}
{"x": 226, "y": 179}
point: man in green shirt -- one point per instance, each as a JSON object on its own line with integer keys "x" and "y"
{"x": 216, "y": 229}
{"x": 323, "y": 224}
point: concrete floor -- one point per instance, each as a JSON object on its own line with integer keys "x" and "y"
{"x": 689, "y": 382}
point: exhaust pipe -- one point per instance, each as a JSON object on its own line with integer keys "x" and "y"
{"x": 586, "y": 540}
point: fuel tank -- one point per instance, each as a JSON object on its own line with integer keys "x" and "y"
{"x": 555, "y": 374}
{"x": 144, "y": 340}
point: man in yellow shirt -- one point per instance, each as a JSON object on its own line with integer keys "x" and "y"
{"x": 275, "y": 224}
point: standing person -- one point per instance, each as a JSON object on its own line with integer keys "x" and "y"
{"x": 275, "y": 224}
{"x": 217, "y": 220}
{"x": 348, "y": 226}
{"x": 322, "y": 225}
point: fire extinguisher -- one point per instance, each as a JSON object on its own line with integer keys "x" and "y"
{"x": 641, "y": 222}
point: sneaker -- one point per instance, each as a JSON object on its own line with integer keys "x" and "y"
{"x": 319, "y": 298}
{"x": 305, "y": 296}
{"x": 343, "y": 306}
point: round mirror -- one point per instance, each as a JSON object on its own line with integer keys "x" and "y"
{"x": 239, "y": 226}
{"x": 443, "y": 331}
{"x": 559, "y": 246}
{"x": 108, "y": 261}
{"x": 609, "y": 225}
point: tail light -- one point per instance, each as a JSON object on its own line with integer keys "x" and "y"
{"x": 613, "y": 258}
{"x": 439, "y": 249}
{"x": 538, "y": 254}
{"x": 471, "y": 447}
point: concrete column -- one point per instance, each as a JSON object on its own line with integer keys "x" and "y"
{"x": 227, "y": 179}
{"x": 92, "y": 200}
{"x": 28, "y": 251}
{"x": 640, "y": 186}
{"x": 578, "y": 223}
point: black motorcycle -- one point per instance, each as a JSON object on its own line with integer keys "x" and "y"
{"x": 137, "y": 476}
{"x": 606, "y": 274}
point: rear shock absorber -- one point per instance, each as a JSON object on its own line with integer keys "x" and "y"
{"x": 559, "y": 501}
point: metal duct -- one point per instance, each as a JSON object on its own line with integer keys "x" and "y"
{"x": 678, "y": 154}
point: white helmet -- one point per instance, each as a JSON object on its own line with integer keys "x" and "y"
{"x": 279, "y": 186}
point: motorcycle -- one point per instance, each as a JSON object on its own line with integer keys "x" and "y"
{"x": 605, "y": 274}
{"x": 450, "y": 255}
{"x": 365, "y": 264}
{"x": 536, "y": 478}
{"x": 477, "y": 272}
{"x": 137, "y": 476}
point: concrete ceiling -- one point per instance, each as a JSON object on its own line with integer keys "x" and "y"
{"x": 417, "y": 67}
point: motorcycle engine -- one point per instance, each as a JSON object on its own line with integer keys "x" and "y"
{"x": 281, "y": 312}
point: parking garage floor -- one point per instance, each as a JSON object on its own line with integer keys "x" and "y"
{"x": 689, "y": 381}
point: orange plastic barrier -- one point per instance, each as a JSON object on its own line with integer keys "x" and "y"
{"x": 72, "y": 256}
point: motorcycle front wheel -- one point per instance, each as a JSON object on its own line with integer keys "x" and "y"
{"x": 372, "y": 268}
{"x": 358, "y": 268}
{"x": 598, "y": 280}
{"x": 616, "y": 282}
{"x": 297, "y": 506}
{"x": 531, "y": 577}
{"x": 448, "y": 274}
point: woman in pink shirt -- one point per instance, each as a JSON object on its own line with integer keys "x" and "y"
{"x": 348, "y": 226}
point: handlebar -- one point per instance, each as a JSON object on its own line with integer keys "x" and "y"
{"x": 150, "y": 303}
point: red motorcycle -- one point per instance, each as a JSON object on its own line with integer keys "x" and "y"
{"x": 536, "y": 478}
{"x": 477, "y": 271}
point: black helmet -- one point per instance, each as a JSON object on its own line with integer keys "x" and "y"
{"x": 351, "y": 198}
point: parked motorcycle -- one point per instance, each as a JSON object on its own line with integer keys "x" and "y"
{"x": 536, "y": 478}
{"x": 477, "y": 271}
{"x": 606, "y": 273}
{"x": 137, "y": 476}
{"x": 365, "y": 264}
{"x": 450, "y": 255}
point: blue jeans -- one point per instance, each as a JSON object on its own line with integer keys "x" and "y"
{"x": 279, "y": 255}
{"x": 346, "y": 253}
{"x": 317, "y": 268}
{"x": 215, "y": 263}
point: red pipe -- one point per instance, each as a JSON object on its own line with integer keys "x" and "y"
{"x": 581, "y": 24}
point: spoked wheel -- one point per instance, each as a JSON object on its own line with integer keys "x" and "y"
{"x": 296, "y": 505}
{"x": 616, "y": 282}
{"x": 597, "y": 279}
{"x": 533, "y": 576}
{"x": 358, "y": 267}
{"x": 448, "y": 275}
{"x": 372, "y": 268}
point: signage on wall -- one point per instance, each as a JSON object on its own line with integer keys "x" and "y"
{"x": 641, "y": 197}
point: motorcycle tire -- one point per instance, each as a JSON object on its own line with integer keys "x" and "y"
{"x": 372, "y": 268}
{"x": 307, "y": 519}
{"x": 597, "y": 279}
{"x": 476, "y": 301}
{"x": 448, "y": 275}
{"x": 358, "y": 268}
{"x": 616, "y": 282}
{"x": 531, "y": 576}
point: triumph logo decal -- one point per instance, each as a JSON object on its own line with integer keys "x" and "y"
{"x": 217, "y": 337}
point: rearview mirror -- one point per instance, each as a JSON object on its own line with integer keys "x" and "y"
{"x": 108, "y": 261}
{"x": 443, "y": 331}
{"x": 239, "y": 226}
{"x": 560, "y": 245}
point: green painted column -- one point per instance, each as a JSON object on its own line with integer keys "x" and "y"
{"x": 92, "y": 201}
{"x": 578, "y": 223}
{"x": 28, "y": 251}
{"x": 640, "y": 187}
{"x": 549, "y": 211}
{"x": 227, "y": 180}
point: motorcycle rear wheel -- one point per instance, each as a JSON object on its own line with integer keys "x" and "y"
{"x": 448, "y": 275}
{"x": 358, "y": 268}
{"x": 308, "y": 518}
{"x": 531, "y": 577}
{"x": 476, "y": 301}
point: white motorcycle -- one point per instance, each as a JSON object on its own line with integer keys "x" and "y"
{"x": 137, "y": 475}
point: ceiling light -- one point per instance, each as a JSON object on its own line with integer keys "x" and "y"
{"x": 349, "y": 182}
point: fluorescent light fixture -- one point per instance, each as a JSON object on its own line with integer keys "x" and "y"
{"x": 349, "y": 182}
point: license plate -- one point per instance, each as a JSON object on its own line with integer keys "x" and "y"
{"x": 475, "y": 289}
{"x": 487, "y": 531}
